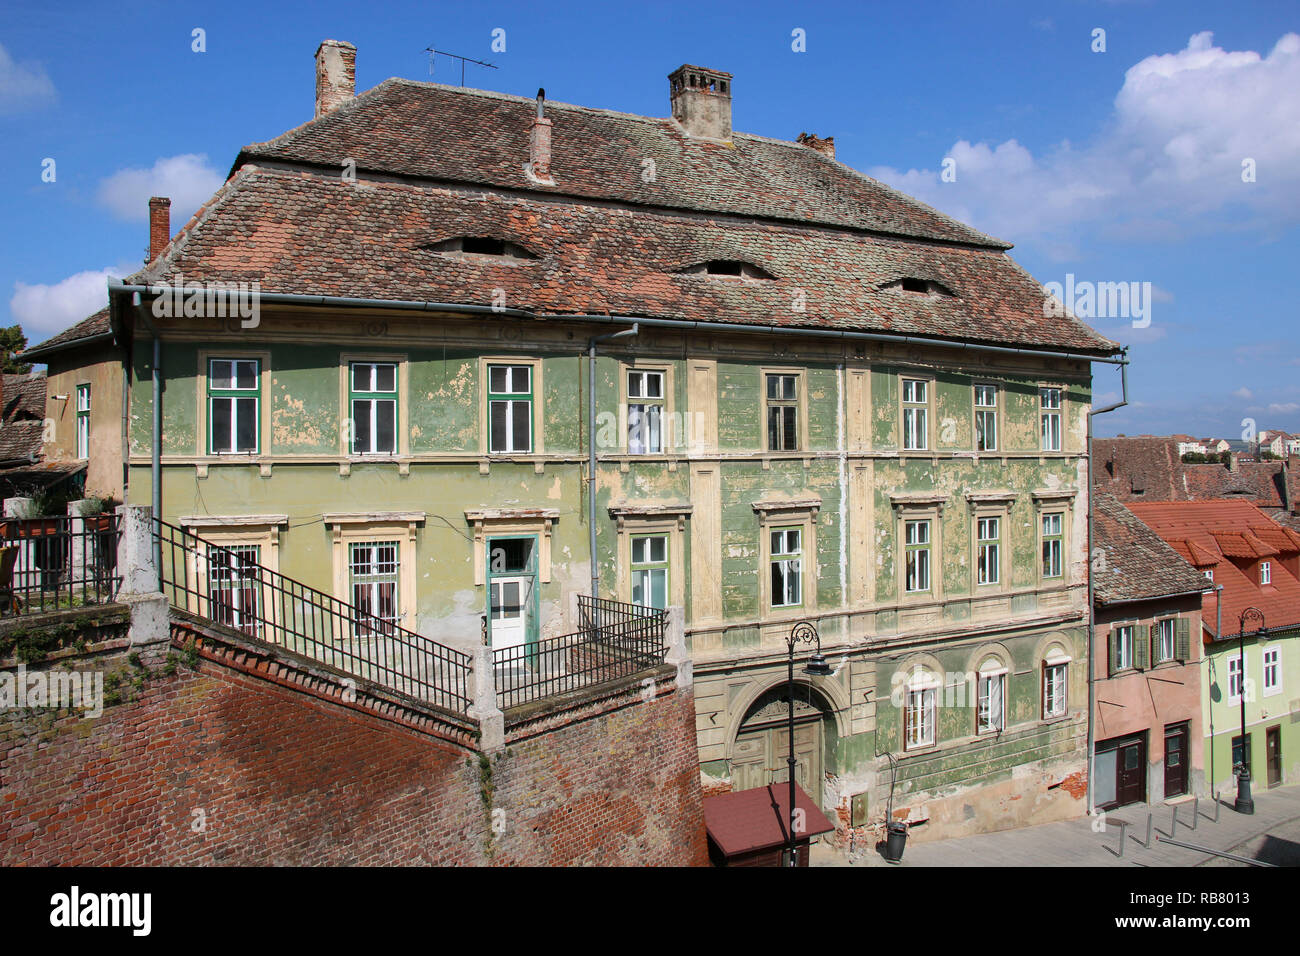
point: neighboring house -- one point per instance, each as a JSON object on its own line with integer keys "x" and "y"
{"x": 24, "y": 473}
{"x": 840, "y": 406}
{"x": 1146, "y": 663}
{"x": 1256, "y": 562}
{"x": 1275, "y": 442}
{"x": 1191, "y": 446}
{"x": 83, "y": 402}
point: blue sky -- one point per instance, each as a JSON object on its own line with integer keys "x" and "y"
{"x": 1122, "y": 165}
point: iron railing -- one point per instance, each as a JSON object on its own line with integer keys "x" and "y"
{"x": 226, "y": 586}
{"x": 615, "y": 640}
{"x": 57, "y": 563}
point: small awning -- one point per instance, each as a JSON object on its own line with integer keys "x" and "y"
{"x": 746, "y": 821}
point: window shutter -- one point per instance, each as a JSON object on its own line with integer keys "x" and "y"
{"x": 1141, "y": 646}
{"x": 1183, "y": 639}
{"x": 1112, "y": 642}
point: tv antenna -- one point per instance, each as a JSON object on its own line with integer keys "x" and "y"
{"x": 463, "y": 60}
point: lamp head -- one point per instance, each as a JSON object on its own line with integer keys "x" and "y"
{"x": 818, "y": 667}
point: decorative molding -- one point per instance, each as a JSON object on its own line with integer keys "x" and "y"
{"x": 1055, "y": 494}
{"x": 918, "y": 500}
{"x": 990, "y": 497}
{"x": 230, "y": 521}
{"x": 622, "y": 510}
{"x": 339, "y": 518}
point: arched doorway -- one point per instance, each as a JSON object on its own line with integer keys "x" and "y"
{"x": 763, "y": 742}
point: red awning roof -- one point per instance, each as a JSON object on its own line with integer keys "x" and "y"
{"x": 747, "y": 820}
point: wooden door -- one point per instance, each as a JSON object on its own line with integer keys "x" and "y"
{"x": 760, "y": 756}
{"x": 1273, "y": 751}
{"x": 1131, "y": 773}
{"x": 1177, "y": 739}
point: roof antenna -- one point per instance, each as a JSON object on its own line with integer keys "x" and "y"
{"x": 463, "y": 60}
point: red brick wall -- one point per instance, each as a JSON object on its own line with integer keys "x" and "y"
{"x": 278, "y": 775}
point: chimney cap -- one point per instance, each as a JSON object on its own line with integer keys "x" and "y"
{"x": 700, "y": 79}
{"x": 339, "y": 43}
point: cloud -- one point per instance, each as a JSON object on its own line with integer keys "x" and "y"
{"x": 187, "y": 180}
{"x": 43, "y": 310}
{"x": 1170, "y": 155}
{"x": 23, "y": 86}
{"x": 1244, "y": 394}
{"x": 1283, "y": 408}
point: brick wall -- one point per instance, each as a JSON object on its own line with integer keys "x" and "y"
{"x": 246, "y": 761}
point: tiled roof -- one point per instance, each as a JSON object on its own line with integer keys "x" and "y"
{"x": 93, "y": 325}
{"x": 302, "y": 233}
{"x": 21, "y": 440}
{"x": 461, "y": 135}
{"x": 1148, "y": 468}
{"x": 1138, "y": 563}
{"x": 24, "y": 397}
{"x": 1205, "y": 525}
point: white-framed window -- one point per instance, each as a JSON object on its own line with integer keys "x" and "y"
{"x": 916, "y": 545}
{"x": 373, "y": 396}
{"x": 1049, "y": 407}
{"x": 234, "y": 399}
{"x": 373, "y": 569}
{"x": 1272, "y": 671}
{"x": 233, "y": 586}
{"x": 1054, "y": 689}
{"x": 989, "y": 553}
{"x": 1165, "y": 646}
{"x": 991, "y": 698}
{"x": 919, "y": 718}
{"x": 510, "y": 409}
{"x": 645, "y": 412}
{"x": 650, "y": 570}
{"x": 786, "y": 564}
{"x": 83, "y": 421}
{"x": 1209, "y": 574}
{"x": 986, "y": 418}
{"x": 1265, "y": 572}
{"x": 1236, "y": 679}
{"x": 1053, "y": 543}
{"x": 1123, "y": 656}
{"x": 916, "y": 408}
{"x": 782, "y": 412}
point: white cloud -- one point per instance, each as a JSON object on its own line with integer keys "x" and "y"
{"x": 1170, "y": 154}
{"x": 1283, "y": 408}
{"x": 43, "y": 310}
{"x": 1244, "y": 394}
{"x": 23, "y": 86}
{"x": 187, "y": 180}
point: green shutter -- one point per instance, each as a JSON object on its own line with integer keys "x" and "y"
{"x": 1141, "y": 646}
{"x": 1112, "y": 646}
{"x": 1183, "y": 639}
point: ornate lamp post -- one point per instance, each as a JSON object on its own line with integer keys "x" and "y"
{"x": 802, "y": 633}
{"x": 1244, "y": 803}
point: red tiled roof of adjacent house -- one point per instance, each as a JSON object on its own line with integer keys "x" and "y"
{"x": 1208, "y": 525}
{"x": 297, "y": 232}
{"x": 745, "y": 821}
{"x": 1149, "y": 468}
{"x": 89, "y": 327}
{"x": 24, "y": 397}
{"x": 1138, "y": 563}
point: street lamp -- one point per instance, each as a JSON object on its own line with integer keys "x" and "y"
{"x": 1244, "y": 803}
{"x": 802, "y": 633}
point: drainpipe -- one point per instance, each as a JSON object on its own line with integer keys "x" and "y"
{"x": 1092, "y": 607}
{"x": 591, "y": 449}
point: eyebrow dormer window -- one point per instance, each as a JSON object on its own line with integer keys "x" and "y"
{"x": 481, "y": 246}
{"x": 730, "y": 268}
{"x": 918, "y": 286}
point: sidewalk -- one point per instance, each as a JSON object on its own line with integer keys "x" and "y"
{"x": 1271, "y": 834}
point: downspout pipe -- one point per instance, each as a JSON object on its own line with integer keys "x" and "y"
{"x": 1092, "y": 598}
{"x": 591, "y": 448}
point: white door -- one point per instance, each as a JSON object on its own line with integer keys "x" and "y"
{"x": 509, "y": 609}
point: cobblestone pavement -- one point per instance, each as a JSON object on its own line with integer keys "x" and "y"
{"x": 1271, "y": 834}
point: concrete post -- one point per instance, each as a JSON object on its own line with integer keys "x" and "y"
{"x": 26, "y": 573}
{"x": 675, "y": 640}
{"x": 150, "y": 619}
{"x": 483, "y": 701}
{"x": 79, "y": 547}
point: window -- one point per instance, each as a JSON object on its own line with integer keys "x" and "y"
{"x": 990, "y": 711}
{"x": 481, "y": 246}
{"x": 510, "y": 408}
{"x": 988, "y": 559}
{"x": 787, "y": 567}
{"x": 374, "y": 408}
{"x": 729, "y": 267}
{"x": 1237, "y": 761}
{"x": 919, "y": 718}
{"x": 645, "y": 413}
{"x": 373, "y": 568}
{"x": 1265, "y": 572}
{"x": 1235, "y": 682}
{"x": 1272, "y": 671}
{"x": 1165, "y": 647}
{"x": 650, "y": 570}
{"x": 1122, "y": 649}
{"x": 83, "y": 421}
{"x": 782, "y": 412}
{"x": 986, "y": 418}
{"x": 917, "y": 548}
{"x": 916, "y": 435}
{"x": 233, "y": 586}
{"x": 233, "y": 405}
{"x": 1209, "y": 574}
{"x": 1049, "y": 404}
{"x": 1054, "y": 685}
{"x": 1053, "y": 537}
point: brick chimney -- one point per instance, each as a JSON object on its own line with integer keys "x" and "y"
{"x": 160, "y": 225}
{"x": 539, "y": 144}
{"x": 336, "y": 75}
{"x": 701, "y": 101}
{"x": 824, "y": 146}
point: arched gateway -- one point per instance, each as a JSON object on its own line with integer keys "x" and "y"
{"x": 758, "y": 756}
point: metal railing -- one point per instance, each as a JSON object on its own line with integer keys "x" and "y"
{"x": 224, "y": 585}
{"x": 615, "y": 640}
{"x": 57, "y": 563}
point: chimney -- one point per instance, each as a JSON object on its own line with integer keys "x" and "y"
{"x": 336, "y": 75}
{"x": 701, "y": 101}
{"x": 160, "y": 225}
{"x": 824, "y": 146}
{"x": 539, "y": 144}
